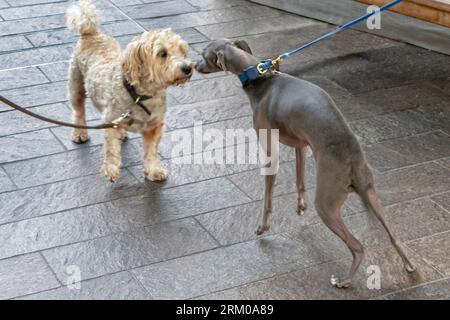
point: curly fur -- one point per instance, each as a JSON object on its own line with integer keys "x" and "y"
{"x": 151, "y": 62}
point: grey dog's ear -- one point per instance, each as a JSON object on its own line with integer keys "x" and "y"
{"x": 221, "y": 61}
{"x": 243, "y": 45}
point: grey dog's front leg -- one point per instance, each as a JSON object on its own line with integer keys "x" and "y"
{"x": 300, "y": 154}
{"x": 268, "y": 194}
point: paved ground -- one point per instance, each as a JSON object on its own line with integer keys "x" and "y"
{"x": 194, "y": 236}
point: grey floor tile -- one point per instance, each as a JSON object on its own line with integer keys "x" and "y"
{"x": 252, "y": 182}
{"x": 186, "y": 115}
{"x": 11, "y": 79}
{"x": 438, "y": 290}
{"x": 216, "y": 4}
{"x": 239, "y": 223}
{"x": 96, "y": 137}
{"x": 56, "y": 71}
{"x": 190, "y": 35}
{"x": 196, "y": 198}
{"x": 391, "y": 67}
{"x": 121, "y": 3}
{"x": 5, "y": 182}
{"x": 58, "y": 8}
{"x": 170, "y": 204}
{"x": 434, "y": 250}
{"x": 20, "y": 3}
{"x": 67, "y": 165}
{"x": 51, "y": 231}
{"x": 46, "y": 38}
{"x": 395, "y": 153}
{"x": 194, "y": 19}
{"x": 129, "y": 250}
{"x": 51, "y": 198}
{"x": 36, "y": 95}
{"x": 401, "y": 98}
{"x": 411, "y": 182}
{"x": 254, "y": 26}
{"x": 13, "y": 43}
{"x": 118, "y": 286}
{"x": 186, "y": 141}
{"x": 19, "y": 122}
{"x": 180, "y": 174}
{"x": 28, "y": 145}
{"x": 407, "y": 220}
{"x": 443, "y": 200}
{"x": 390, "y": 126}
{"x": 158, "y": 9}
{"x": 202, "y": 90}
{"x": 444, "y": 162}
{"x": 25, "y": 275}
{"x": 314, "y": 283}
{"x": 36, "y": 56}
{"x": 30, "y": 25}
{"x": 222, "y": 268}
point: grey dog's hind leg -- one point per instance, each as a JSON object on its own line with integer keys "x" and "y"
{"x": 330, "y": 196}
{"x": 364, "y": 187}
{"x": 370, "y": 199}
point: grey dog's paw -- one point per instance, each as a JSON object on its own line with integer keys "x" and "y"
{"x": 335, "y": 282}
{"x": 262, "y": 229}
{"x": 301, "y": 207}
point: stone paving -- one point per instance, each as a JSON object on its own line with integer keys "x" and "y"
{"x": 193, "y": 237}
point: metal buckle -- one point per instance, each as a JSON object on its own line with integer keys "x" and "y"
{"x": 122, "y": 117}
{"x": 259, "y": 68}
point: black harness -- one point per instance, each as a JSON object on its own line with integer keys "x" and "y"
{"x": 136, "y": 97}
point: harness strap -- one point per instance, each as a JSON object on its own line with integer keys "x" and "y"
{"x": 136, "y": 97}
{"x": 115, "y": 124}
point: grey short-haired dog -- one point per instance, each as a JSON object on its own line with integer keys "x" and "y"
{"x": 305, "y": 115}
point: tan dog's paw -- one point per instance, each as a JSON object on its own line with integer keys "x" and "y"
{"x": 123, "y": 136}
{"x": 80, "y": 136}
{"x": 156, "y": 174}
{"x": 111, "y": 171}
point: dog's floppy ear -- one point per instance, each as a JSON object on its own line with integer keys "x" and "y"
{"x": 221, "y": 61}
{"x": 134, "y": 62}
{"x": 243, "y": 45}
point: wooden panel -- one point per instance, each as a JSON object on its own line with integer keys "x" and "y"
{"x": 428, "y": 10}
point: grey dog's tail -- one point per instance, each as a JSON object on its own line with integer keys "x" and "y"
{"x": 82, "y": 17}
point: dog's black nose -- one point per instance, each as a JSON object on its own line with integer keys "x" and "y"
{"x": 186, "y": 69}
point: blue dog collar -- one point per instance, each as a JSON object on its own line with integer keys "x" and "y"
{"x": 256, "y": 71}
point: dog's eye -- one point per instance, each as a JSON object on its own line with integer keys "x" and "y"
{"x": 162, "y": 54}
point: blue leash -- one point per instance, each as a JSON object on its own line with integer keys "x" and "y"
{"x": 256, "y": 71}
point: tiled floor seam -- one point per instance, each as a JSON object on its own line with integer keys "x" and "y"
{"x": 355, "y": 210}
{"x": 438, "y": 204}
{"x": 59, "y": 140}
{"x": 435, "y": 268}
{"x": 112, "y": 233}
{"x": 219, "y": 245}
{"x": 50, "y": 268}
{"x": 413, "y": 287}
{"x": 271, "y": 277}
{"x": 125, "y": 15}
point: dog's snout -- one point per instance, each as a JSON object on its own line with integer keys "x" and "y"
{"x": 186, "y": 69}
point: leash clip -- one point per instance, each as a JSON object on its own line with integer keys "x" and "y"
{"x": 260, "y": 68}
{"x": 122, "y": 117}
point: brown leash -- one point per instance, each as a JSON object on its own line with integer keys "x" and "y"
{"x": 115, "y": 124}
